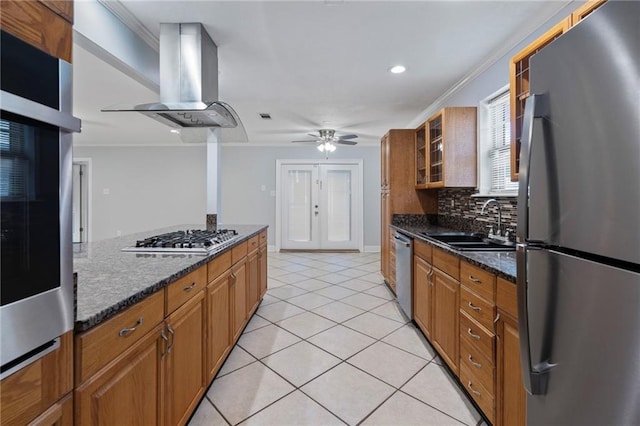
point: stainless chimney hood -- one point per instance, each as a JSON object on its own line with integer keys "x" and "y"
{"x": 188, "y": 81}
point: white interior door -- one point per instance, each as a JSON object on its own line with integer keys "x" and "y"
{"x": 338, "y": 206}
{"x": 320, "y": 206}
{"x": 299, "y": 198}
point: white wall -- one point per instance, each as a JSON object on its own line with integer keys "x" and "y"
{"x": 149, "y": 187}
{"x": 246, "y": 168}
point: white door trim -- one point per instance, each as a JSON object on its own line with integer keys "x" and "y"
{"x": 87, "y": 162}
{"x": 359, "y": 201}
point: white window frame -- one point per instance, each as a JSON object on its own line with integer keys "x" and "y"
{"x": 484, "y": 150}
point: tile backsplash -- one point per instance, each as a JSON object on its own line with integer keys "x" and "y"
{"x": 458, "y": 210}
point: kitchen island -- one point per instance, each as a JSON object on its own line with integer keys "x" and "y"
{"x": 153, "y": 329}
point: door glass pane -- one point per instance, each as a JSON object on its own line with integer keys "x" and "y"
{"x": 338, "y": 189}
{"x": 299, "y": 208}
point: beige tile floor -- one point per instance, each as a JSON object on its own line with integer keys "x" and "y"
{"x": 329, "y": 345}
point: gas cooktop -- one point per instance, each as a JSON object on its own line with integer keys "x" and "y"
{"x": 188, "y": 241}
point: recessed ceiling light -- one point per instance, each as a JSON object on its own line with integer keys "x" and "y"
{"x": 176, "y": 131}
{"x": 398, "y": 69}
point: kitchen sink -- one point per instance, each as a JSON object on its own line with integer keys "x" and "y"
{"x": 470, "y": 242}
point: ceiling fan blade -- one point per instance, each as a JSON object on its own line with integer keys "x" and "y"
{"x": 352, "y": 136}
{"x": 340, "y": 141}
{"x": 306, "y": 141}
{"x": 314, "y": 135}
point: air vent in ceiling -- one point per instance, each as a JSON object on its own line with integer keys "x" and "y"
{"x": 265, "y": 116}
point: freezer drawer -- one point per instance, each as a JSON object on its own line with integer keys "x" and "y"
{"x": 583, "y": 324}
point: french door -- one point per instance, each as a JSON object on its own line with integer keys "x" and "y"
{"x": 320, "y": 206}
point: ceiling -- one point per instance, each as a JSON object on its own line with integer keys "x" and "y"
{"x": 313, "y": 64}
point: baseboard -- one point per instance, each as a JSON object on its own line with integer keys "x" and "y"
{"x": 271, "y": 248}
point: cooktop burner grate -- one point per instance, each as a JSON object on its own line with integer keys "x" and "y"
{"x": 188, "y": 241}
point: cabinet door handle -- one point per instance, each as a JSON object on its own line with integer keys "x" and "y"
{"x": 233, "y": 277}
{"x": 127, "y": 331}
{"x": 166, "y": 344}
{"x": 474, "y": 307}
{"x": 473, "y": 391}
{"x": 476, "y": 364}
{"x": 173, "y": 337}
{"x": 475, "y": 336}
{"x": 189, "y": 287}
{"x": 474, "y": 280}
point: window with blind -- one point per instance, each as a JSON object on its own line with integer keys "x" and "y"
{"x": 495, "y": 160}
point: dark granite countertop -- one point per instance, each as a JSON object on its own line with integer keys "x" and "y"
{"x": 110, "y": 280}
{"x": 500, "y": 263}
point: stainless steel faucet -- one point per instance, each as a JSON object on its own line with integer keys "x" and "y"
{"x": 498, "y": 233}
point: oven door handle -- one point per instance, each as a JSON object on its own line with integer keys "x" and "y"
{"x": 30, "y": 109}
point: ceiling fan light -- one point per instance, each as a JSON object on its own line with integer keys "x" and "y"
{"x": 321, "y": 147}
{"x": 330, "y": 147}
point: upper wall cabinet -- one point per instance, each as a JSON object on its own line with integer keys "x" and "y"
{"x": 446, "y": 149}
{"x": 519, "y": 87}
{"x": 519, "y": 76}
{"x": 46, "y": 25}
{"x": 583, "y": 11}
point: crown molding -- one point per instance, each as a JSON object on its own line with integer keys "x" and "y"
{"x": 126, "y": 17}
{"x": 517, "y": 38}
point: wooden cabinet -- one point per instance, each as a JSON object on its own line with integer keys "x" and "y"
{"x": 391, "y": 279}
{"x": 130, "y": 390}
{"x": 444, "y": 330}
{"x": 253, "y": 281}
{"x": 184, "y": 361}
{"x": 33, "y": 390}
{"x": 449, "y": 149}
{"x": 519, "y": 87}
{"x": 262, "y": 270}
{"x": 46, "y": 25}
{"x": 218, "y": 342}
{"x": 511, "y": 396}
{"x": 398, "y": 195}
{"x": 583, "y": 11}
{"x": 239, "y": 297}
{"x": 422, "y": 294}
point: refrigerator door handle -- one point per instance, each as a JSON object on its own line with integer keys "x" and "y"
{"x": 534, "y": 108}
{"x": 535, "y": 376}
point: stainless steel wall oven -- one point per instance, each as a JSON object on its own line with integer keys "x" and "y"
{"x": 36, "y": 283}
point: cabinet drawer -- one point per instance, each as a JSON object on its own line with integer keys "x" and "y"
{"x": 263, "y": 238}
{"x": 478, "y": 280}
{"x": 506, "y": 297}
{"x": 217, "y": 266}
{"x": 477, "y": 308}
{"x": 238, "y": 252}
{"x": 422, "y": 250}
{"x": 446, "y": 262}
{"x": 477, "y": 336}
{"x": 253, "y": 243}
{"x": 478, "y": 392}
{"x": 97, "y": 347}
{"x": 482, "y": 368}
{"x": 185, "y": 288}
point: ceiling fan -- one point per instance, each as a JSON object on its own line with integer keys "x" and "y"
{"x": 326, "y": 140}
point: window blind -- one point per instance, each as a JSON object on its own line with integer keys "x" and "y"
{"x": 14, "y": 164}
{"x": 500, "y": 135}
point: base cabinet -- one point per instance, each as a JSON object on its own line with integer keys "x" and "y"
{"x": 262, "y": 270}
{"x": 218, "y": 341}
{"x": 422, "y": 287}
{"x": 239, "y": 297}
{"x": 512, "y": 405}
{"x": 129, "y": 390}
{"x": 253, "y": 280}
{"x": 184, "y": 360}
{"x": 445, "y": 317}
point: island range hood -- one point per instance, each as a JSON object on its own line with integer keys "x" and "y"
{"x": 188, "y": 82}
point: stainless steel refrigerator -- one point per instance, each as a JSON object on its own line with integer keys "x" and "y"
{"x": 579, "y": 225}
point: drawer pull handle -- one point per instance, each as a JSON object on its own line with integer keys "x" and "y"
{"x": 189, "y": 287}
{"x": 473, "y": 391}
{"x": 173, "y": 337}
{"x": 474, "y": 280}
{"x": 475, "y": 336}
{"x": 475, "y": 308}
{"x": 128, "y": 331}
{"x": 233, "y": 277}
{"x": 476, "y": 364}
{"x": 166, "y": 343}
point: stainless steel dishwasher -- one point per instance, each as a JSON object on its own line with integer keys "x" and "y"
{"x": 404, "y": 256}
